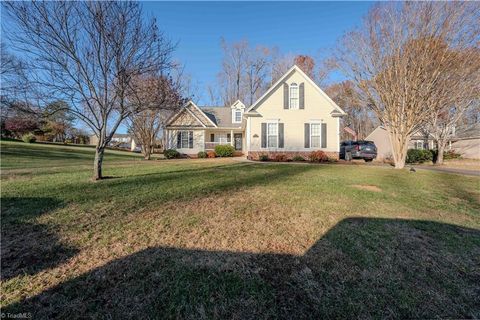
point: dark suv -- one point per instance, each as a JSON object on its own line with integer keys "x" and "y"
{"x": 365, "y": 150}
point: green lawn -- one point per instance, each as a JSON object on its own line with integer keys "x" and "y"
{"x": 221, "y": 238}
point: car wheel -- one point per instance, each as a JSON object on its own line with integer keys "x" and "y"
{"x": 348, "y": 156}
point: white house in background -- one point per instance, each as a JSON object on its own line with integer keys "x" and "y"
{"x": 119, "y": 140}
{"x": 293, "y": 117}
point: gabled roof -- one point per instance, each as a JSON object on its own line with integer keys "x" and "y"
{"x": 221, "y": 116}
{"x": 468, "y": 131}
{"x": 287, "y": 74}
{"x": 195, "y": 112}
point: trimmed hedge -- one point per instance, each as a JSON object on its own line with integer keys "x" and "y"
{"x": 419, "y": 156}
{"x": 171, "y": 154}
{"x": 298, "y": 158}
{"x": 224, "y": 150}
{"x": 202, "y": 154}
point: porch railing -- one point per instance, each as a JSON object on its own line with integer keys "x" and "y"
{"x": 211, "y": 145}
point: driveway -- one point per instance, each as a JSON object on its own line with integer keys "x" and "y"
{"x": 450, "y": 170}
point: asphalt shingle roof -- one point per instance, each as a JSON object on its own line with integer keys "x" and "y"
{"x": 221, "y": 116}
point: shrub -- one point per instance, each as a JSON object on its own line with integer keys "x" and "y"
{"x": 211, "y": 154}
{"x": 224, "y": 150}
{"x": 202, "y": 154}
{"x": 263, "y": 157}
{"x": 332, "y": 160}
{"x": 318, "y": 156}
{"x": 419, "y": 156}
{"x": 280, "y": 158}
{"x": 29, "y": 138}
{"x": 451, "y": 154}
{"x": 298, "y": 158}
{"x": 171, "y": 154}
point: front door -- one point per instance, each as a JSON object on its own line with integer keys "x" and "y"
{"x": 238, "y": 141}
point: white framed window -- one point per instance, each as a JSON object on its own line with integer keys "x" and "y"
{"x": 183, "y": 139}
{"x": 272, "y": 135}
{"x": 419, "y": 144}
{"x": 315, "y": 132}
{"x": 294, "y": 96}
{"x": 238, "y": 116}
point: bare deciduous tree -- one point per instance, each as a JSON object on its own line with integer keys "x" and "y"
{"x": 88, "y": 53}
{"x": 233, "y": 68}
{"x": 307, "y": 64}
{"x": 160, "y": 97}
{"x": 396, "y": 60}
{"x": 359, "y": 117}
{"x": 256, "y": 65}
{"x": 280, "y": 64}
{"x": 457, "y": 90}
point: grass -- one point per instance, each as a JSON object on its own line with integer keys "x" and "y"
{"x": 220, "y": 238}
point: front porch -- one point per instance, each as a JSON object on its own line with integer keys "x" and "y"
{"x": 214, "y": 137}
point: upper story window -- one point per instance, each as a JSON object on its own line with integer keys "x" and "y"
{"x": 238, "y": 116}
{"x": 294, "y": 96}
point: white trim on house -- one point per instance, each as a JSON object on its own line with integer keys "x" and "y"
{"x": 291, "y": 86}
{"x": 295, "y": 68}
{"x": 249, "y": 128}
{"x": 319, "y": 123}
{"x": 193, "y": 114}
{"x": 203, "y": 113}
{"x": 338, "y": 134}
{"x": 184, "y": 107}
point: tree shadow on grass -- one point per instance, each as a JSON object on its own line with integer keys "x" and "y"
{"x": 361, "y": 268}
{"x": 154, "y": 189}
{"x": 27, "y": 247}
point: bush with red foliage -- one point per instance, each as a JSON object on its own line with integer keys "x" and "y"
{"x": 211, "y": 154}
{"x": 21, "y": 125}
{"x": 280, "y": 158}
{"x": 318, "y": 156}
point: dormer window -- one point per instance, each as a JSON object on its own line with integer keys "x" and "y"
{"x": 237, "y": 111}
{"x": 294, "y": 96}
{"x": 238, "y": 115}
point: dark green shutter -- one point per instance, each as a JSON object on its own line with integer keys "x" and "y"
{"x": 307, "y": 135}
{"x": 179, "y": 139}
{"x": 324, "y": 135}
{"x": 302, "y": 95}
{"x": 190, "y": 139}
{"x": 280, "y": 135}
{"x": 285, "y": 96}
{"x": 264, "y": 135}
{"x": 212, "y": 137}
{"x": 229, "y": 137}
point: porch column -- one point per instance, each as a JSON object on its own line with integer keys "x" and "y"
{"x": 231, "y": 138}
{"x": 204, "y": 134}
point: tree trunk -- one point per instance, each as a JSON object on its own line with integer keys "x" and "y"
{"x": 440, "y": 151}
{"x": 399, "y": 148}
{"x": 97, "y": 163}
{"x": 147, "y": 152}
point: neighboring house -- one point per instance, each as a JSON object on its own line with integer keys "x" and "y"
{"x": 293, "y": 117}
{"x": 466, "y": 141}
{"x": 119, "y": 140}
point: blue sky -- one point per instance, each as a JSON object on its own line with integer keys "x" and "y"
{"x": 294, "y": 27}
